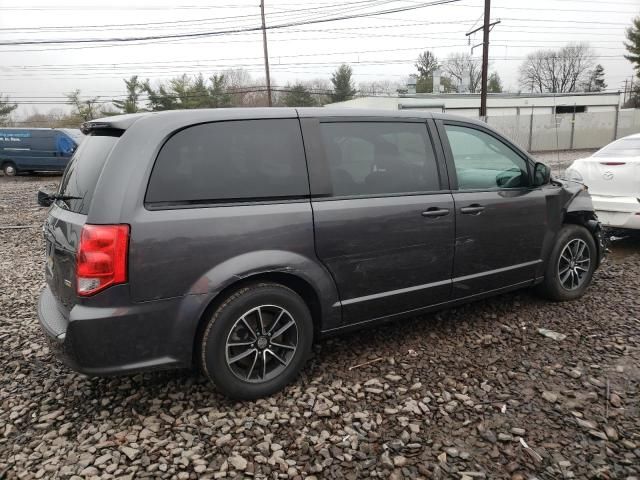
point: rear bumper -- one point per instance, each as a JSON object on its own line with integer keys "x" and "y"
{"x": 117, "y": 340}
{"x": 619, "y": 212}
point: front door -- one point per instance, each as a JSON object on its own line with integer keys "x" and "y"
{"x": 385, "y": 226}
{"x": 500, "y": 218}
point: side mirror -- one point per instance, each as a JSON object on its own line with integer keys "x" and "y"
{"x": 45, "y": 199}
{"x": 541, "y": 174}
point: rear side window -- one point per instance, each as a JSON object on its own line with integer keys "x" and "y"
{"x": 372, "y": 158}
{"x": 84, "y": 168}
{"x": 231, "y": 161}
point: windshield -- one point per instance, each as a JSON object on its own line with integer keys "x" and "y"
{"x": 84, "y": 168}
{"x": 625, "y": 147}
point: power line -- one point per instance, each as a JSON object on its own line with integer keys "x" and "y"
{"x": 164, "y": 24}
{"x": 582, "y": 10}
{"x": 591, "y": 34}
{"x": 222, "y": 32}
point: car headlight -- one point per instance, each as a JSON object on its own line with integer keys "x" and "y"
{"x": 573, "y": 175}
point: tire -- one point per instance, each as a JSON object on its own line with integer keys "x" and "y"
{"x": 9, "y": 169}
{"x": 567, "y": 279}
{"x": 284, "y": 341}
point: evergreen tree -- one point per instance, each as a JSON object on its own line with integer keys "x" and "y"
{"x": 6, "y": 107}
{"x": 134, "y": 89}
{"x": 595, "y": 82}
{"x": 85, "y": 110}
{"x": 298, "y": 96}
{"x": 494, "y": 84}
{"x": 633, "y": 44}
{"x": 188, "y": 92}
{"x": 343, "y": 88}
{"x": 426, "y": 64}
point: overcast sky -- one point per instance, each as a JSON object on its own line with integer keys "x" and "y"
{"x": 378, "y": 48}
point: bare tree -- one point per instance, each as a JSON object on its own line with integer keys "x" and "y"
{"x": 320, "y": 88}
{"x": 241, "y": 86}
{"x": 378, "y": 87}
{"x": 458, "y": 65}
{"x": 557, "y": 71}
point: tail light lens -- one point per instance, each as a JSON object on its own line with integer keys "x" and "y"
{"x": 102, "y": 258}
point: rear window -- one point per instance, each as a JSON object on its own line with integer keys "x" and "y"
{"x": 84, "y": 168}
{"x": 626, "y": 147}
{"x": 231, "y": 161}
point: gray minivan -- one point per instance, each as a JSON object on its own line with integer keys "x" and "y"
{"x": 231, "y": 239}
{"x": 37, "y": 149}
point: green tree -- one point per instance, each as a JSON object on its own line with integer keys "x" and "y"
{"x": 159, "y": 98}
{"x": 494, "y": 84}
{"x": 633, "y": 44}
{"x": 595, "y": 81}
{"x": 85, "y": 110}
{"x": 189, "y": 92}
{"x": 448, "y": 86}
{"x": 6, "y": 107}
{"x": 219, "y": 95}
{"x": 298, "y": 96}
{"x": 343, "y": 88}
{"x": 134, "y": 89}
{"x": 426, "y": 64}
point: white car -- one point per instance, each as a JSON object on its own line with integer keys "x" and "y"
{"x": 612, "y": 175}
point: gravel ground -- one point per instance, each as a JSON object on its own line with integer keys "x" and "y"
{"x": 472, "y": 392}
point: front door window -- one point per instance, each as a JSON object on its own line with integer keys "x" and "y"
{"x": 484, "y": 162}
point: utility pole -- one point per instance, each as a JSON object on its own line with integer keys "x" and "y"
{"x": 485, "y": 58}
{"x": 266, "y": 53}
{"x": 486, "y": 28}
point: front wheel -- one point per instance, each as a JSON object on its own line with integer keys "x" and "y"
{"x": 571, "y": 264}
{"x": 256, "y": 341}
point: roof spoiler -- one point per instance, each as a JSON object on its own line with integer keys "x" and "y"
{"x": 117, "y": 122}
{"x": 88, "y": 127}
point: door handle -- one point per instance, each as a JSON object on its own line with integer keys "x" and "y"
{"x": 435, "y": 212}
{"x": 473, "y": 209}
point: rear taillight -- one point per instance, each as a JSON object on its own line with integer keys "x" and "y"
{"x": 102, "y": 258}
{"x": 612, "y": 163}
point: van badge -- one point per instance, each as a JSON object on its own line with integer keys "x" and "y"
{"x": 608, "y": 175}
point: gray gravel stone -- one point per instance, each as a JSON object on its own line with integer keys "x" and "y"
{"x": 448, "y": 381}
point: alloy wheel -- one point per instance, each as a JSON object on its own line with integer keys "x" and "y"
{"x": 261, "y": 343}
{"x": 573, "y": 264}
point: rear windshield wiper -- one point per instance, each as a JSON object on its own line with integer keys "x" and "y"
{"x": 57, "y": 196}
{"x": 45, "y": 199}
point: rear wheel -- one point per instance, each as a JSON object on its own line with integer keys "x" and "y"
{"x": 9, "y": 169}
{"x": 571, "y": 264}
{"x": 256, "y": 341}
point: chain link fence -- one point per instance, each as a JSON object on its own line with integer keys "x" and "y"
{"x": 571, "y": 131}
